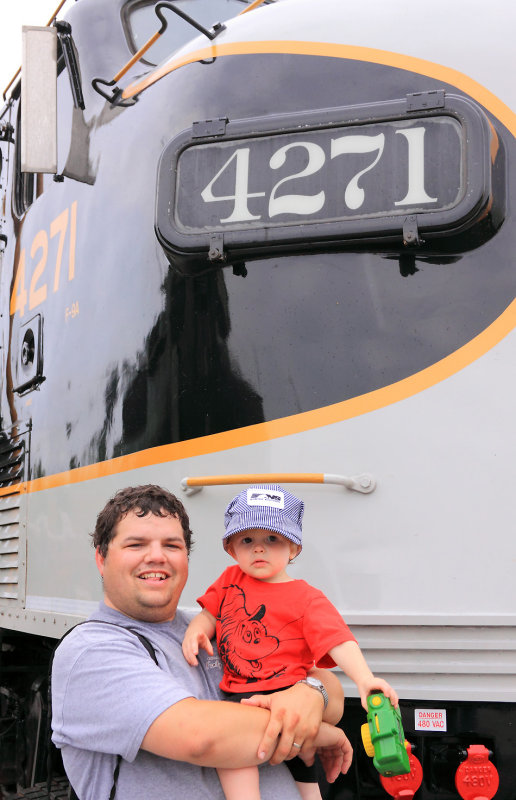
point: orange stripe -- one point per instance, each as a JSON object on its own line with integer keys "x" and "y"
{"x": 250, "y": 8}
{"x": 369, "y": 54}
{"x": 297, "y": 423}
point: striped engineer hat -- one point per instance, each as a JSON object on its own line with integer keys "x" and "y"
{"x": 267, "y": 506}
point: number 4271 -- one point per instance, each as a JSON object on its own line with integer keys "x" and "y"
{"x": 65, "y": 223}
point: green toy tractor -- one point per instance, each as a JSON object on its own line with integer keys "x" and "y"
{"x": 383, "y": 737}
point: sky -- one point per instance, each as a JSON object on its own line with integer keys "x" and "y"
{"x": 14, "y": 14}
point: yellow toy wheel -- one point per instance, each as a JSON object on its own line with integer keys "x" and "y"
{"x": 366, "y": 740}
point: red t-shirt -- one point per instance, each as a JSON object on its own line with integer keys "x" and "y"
{"x": 270, "y": 634}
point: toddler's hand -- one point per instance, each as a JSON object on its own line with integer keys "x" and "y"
{"x": 372, "y": 685}
{"x": 193, "y": 641}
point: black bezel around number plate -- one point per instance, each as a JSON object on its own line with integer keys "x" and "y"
{"x": 260, "y": 239}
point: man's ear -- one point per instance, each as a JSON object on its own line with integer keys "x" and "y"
{"x": 99, "y": 560}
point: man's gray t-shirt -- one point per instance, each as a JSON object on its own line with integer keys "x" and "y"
{"x": 107, "y": 691}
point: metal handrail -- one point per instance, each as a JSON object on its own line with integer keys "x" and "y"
{"x": 364, "y": 483}
{"x": 50, "y": 21}
{"x": 114, "y": 97}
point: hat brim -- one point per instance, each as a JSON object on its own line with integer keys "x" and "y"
{"x": 249, "y": 527}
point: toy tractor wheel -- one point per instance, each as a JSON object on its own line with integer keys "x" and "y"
{"x": 366, "y": 740}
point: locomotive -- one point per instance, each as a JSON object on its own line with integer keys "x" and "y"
{"x": 270, "y": 242}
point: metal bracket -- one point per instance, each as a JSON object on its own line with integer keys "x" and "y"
{"x": 411, "y": 236}
{"x": 116, "y": 94}
{"x": 64, "y": 34}
{"x": 7, "y": 133}
{"x": 424, "y": 101}
{"x": 216, "y": 251}
{"x": 217, "y": 28}
{"x": 190, "y": 490}
{"x": 209, "y": 127}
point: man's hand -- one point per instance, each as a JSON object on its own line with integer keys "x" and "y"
{"x": 288, "y": 724}
{"x": 336, "y": 754}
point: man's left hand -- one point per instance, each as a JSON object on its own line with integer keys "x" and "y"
{"x": 336, "y": 759}
{"x": 288, "y": 725}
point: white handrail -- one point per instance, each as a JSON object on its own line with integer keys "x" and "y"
{"x": 364, "y": 483}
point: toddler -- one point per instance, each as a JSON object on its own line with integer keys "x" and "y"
{"x": 271, "y": 628}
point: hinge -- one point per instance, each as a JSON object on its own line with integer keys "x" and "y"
{"x": 7, "y": 133}
{"x": 216, "y": 251}
{"x": 64, "y": 34}
{"x": 411, "y": 236}
{"x": 423, "y": 101}
{"x": 209, "y": 127}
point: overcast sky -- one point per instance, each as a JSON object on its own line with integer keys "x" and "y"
{"x": 14, "y": 14}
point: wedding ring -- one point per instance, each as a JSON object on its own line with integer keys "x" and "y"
{"x": 295, "y": 744}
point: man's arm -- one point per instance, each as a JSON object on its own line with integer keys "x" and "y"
{"x": 335, "y": 708}
{"x": 212, "y": 733}
{"x": 221, "y": 734}
{"x": 218, "y": 734}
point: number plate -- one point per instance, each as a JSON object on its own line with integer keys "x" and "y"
{"x": 330, "y": 178}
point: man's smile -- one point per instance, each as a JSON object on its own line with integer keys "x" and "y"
{"x": 153, "y": 576}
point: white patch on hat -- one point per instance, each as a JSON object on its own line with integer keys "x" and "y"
{"x": 265, "y": 497}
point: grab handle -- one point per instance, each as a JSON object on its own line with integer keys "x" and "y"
{"x": 364, "y": 483}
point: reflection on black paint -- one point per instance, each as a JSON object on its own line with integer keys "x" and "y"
{"x": 186, "y": 384}
{"x": 299, "y": 333}
{"x": 212, "y": 396}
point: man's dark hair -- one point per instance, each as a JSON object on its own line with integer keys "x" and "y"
{"x": 142, "y": 500}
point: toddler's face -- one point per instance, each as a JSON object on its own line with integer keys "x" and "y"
{"x": 263, "y": 554}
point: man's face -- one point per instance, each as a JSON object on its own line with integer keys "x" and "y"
{"x": 146, "y": 567}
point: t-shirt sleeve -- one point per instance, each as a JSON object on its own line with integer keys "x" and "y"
{"x": 213, "y": 596}
{"x": 324, "y": 628}
{"x": 107, "y": 691}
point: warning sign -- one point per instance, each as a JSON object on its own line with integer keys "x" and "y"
{"x": 430, "y": 719}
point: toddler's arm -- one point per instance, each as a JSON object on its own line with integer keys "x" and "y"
{"x": 348, "y": 656}
{"x": 198, "y": 634}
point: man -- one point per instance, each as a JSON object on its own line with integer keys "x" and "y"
{"x": 167, "y": 722}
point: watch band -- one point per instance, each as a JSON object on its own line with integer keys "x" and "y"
{"x": 316, "y": 684}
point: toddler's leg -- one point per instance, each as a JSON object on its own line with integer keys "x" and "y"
{"x": 305, "y": 778}
{"x": 240, "y": 784}
{"x": 309, "y": 791}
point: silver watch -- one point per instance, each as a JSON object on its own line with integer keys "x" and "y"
{"x": 315, "y": 683}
